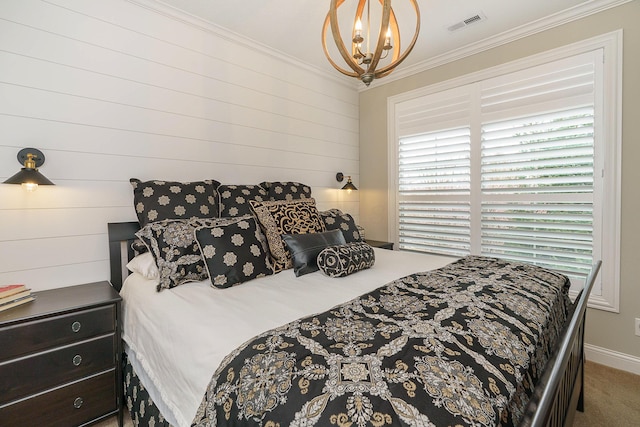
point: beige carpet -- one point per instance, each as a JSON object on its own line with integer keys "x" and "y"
{"x": 612, "y": 398}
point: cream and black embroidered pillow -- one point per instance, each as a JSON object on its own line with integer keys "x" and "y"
{"x": 160, "y": 200}
{"x": 234, "y": 199}
{"x": 235, "y": 252}
{"x": 286, "y": 217}
{"x": 287, "y": 190}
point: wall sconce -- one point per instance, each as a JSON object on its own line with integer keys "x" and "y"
{"x": 349, "y": 185}
{"x": 29, "y": 177}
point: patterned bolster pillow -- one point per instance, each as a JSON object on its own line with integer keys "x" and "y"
{"x": 342, "y": 260}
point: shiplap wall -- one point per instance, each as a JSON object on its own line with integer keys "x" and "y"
{"x": 110, "y": 90}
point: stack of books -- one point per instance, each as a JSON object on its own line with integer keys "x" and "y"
{"x": 14, "y": 295}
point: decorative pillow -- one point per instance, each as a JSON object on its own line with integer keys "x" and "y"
{"x": 234, "y": 253}
{"x": 340, "y": 261}
{"x": 287, "y": 190}
{"x": 175, "y": 250}
{"x": 304, "y": 248}
{"x": 145, "y": 265}
{"x": 283, "y": 217}
{"x": 160, "y": 200}
{"x": 335, "y": 219}
{"x": 234, "y": 199}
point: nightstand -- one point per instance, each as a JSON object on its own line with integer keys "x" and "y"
{"x": 60, "y": 358}
{"x": 379, "y": 244}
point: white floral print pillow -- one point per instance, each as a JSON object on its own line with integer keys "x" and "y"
{"x": 234, "y": 252}
{"x": 160, "y": 200}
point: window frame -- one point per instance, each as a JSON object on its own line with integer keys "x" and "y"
{"x": 610, "y": 109}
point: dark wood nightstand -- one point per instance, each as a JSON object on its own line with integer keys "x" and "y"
{"x": 379, "y": 244}
{"x": 60, "y": 358}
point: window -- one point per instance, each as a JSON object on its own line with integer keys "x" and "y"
{"x": 520, "y": 164}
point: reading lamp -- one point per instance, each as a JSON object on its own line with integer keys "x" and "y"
{"x": 349, "y": 185}
{"x": 29, "y": 176}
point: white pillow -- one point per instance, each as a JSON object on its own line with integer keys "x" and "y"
{"x": 145, "y": 265}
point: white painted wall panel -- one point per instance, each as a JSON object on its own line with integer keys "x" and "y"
{"x": 43, "y": 223}
{"x": 113, "y": 90}
{"x": 52, "y": 252}
{"x": 68, "y": 194}
{"x": 38, "y": 278}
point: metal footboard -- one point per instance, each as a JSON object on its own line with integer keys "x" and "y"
{"x": 560, "y": 389}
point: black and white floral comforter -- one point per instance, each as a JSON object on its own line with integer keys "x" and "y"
{"x": 461, "y": 345}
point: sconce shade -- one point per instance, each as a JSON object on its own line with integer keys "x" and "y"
{"x": 349, "y": 185}
{"x": 31, "y": 158}
{"x": 29, "y": 176}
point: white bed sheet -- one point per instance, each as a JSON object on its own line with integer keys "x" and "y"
{"x": 175, "y": 339}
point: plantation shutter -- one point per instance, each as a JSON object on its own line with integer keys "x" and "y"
{"x": 537, "y": 167}
{"x": 503, "y": 167}
{"x": 434, "y": 186}
{"x": 434, "y": 175}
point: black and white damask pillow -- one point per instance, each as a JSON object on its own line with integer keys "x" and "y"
{"x": 175, "y": 250}
{"x": 287, "y": 190}
{"x": 342, "y": 260}
{"x": 234, "y": 253}
{"x": 160, "y": 200}
{"x": 285, "y": 217}
{"x": 234, "y": 199}
{"x": 335, "y": 219}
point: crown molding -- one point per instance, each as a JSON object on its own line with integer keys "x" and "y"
{"x": 179, "y": 15}
{"x": 572, "y": 14}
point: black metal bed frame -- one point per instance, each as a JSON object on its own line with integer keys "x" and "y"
{"x": 560, "y": 390}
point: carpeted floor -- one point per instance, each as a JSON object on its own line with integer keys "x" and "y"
{"x": 611, "y": 399}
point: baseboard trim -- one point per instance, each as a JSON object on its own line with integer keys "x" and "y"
{"x": 613, "y": 359}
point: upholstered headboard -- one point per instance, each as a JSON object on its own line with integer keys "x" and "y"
{"x": 121, "y": 235}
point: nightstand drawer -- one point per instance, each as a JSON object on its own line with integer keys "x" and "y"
{"x": 71, "y": 405}
{"x": 48, "y": 333}
{"x": 27, "y": 375}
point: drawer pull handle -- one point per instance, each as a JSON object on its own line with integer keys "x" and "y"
{"x": 78, "y": 402}
{"x": 75, "y": 326}
{"x": 77, "y": 360}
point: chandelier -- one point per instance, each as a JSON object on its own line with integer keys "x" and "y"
{"x": 363, "y": 61}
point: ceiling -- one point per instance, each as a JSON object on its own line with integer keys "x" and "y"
{"x": 293, "y": 27}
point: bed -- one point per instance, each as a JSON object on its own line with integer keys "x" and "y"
{"x": 557, "y": 394}
{"x": 393, "y": 338}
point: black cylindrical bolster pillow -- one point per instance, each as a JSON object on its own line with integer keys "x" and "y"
{"x": 342, "y": 260}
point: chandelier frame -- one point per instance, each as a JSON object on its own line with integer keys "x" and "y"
{"x": 389, "y": 21}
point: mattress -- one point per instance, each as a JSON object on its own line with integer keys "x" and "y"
{"x": 175, "y": 339}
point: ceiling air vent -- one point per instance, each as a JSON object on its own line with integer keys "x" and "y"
{"x": 467, "y": 21}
